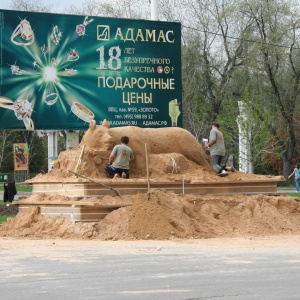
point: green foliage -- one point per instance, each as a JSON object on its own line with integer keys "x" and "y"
{"x": 285, "y": 184}
{"x": 61, "y": 143}
{"x": 39, "y": 154}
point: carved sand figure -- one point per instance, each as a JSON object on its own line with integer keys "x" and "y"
{"x": 174, "y": 147}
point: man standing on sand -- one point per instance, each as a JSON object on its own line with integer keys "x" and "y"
{"x": 119, "y": 160}
{"x": 217, "y": 149}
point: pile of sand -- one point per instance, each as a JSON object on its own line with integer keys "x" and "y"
{"x": 166, "y": 216}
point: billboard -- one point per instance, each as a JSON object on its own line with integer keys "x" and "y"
{"x": 63, "y": 71}
{"x": 20, "y": 157}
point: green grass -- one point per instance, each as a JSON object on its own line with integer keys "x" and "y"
{"x": 24, "y": 188}
{"x": 4, "y": 218}
{"x": 293, "y": 194}
{"x": 20, "y": 188}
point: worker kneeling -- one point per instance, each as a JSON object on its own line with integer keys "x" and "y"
{"x": 119, "y": 160}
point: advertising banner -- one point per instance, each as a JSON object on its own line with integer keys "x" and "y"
{"x": 63, "y": 71}
{"x": 20, "y": 156}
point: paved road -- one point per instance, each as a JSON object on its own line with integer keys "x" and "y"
{"x": 160, "y": 270}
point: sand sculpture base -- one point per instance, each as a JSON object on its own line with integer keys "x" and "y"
{"x": 169, "y": 159}
{"x": 91, "y": 212}
{"x": 87, "y": 212}
{"x": 87, "y": 189}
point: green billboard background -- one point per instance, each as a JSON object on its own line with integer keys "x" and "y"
{"x": 62, "y": 71}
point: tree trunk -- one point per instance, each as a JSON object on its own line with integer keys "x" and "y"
{"x": 287, "y": 157}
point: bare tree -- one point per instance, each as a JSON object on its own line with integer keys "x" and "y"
{"x": 275, "y": 56}
{"x": 31, "y": 5}
{"x": 131, "y": 9}
{"x": 210, "y": 55}
{"x": 4, "y": 144}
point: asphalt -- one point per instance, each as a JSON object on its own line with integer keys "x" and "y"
{"x": 142, "y": 270}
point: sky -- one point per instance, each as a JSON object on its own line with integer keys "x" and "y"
{"x": 59, "y": 4}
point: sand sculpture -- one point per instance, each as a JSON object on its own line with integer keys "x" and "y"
{"x": 169, "y": 150}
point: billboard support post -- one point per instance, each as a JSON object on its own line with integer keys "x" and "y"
{"x": 72, "y": 139}
{"x": 52, "y": 147}
{"x": 154, "y": 10}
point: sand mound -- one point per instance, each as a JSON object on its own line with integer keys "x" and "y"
{"x": 167, "y": 216}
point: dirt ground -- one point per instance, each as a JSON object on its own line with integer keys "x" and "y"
{"x": 64, "y": 248}
{"x": 166, "y": 216}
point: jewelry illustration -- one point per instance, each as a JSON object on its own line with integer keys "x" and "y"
{"x": 70, "y": 72}
{"x": 6, "y": 103}
{"x": 29, "y": 125}
{"x": 53, "y": 62}
{"x": 56, "y": 35}
{"x": 22, "y": 109}
{"x": 73, "y": 55}
{"x": 50, "y": 101}
{"x": 80, "y": 28}
{"x": 15, "y": 70}
{"x": 44, "y": 49}
{"x": 82, "y": 112}
{"x": 46, "y": 64}
{"x": 25, "y": 32}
